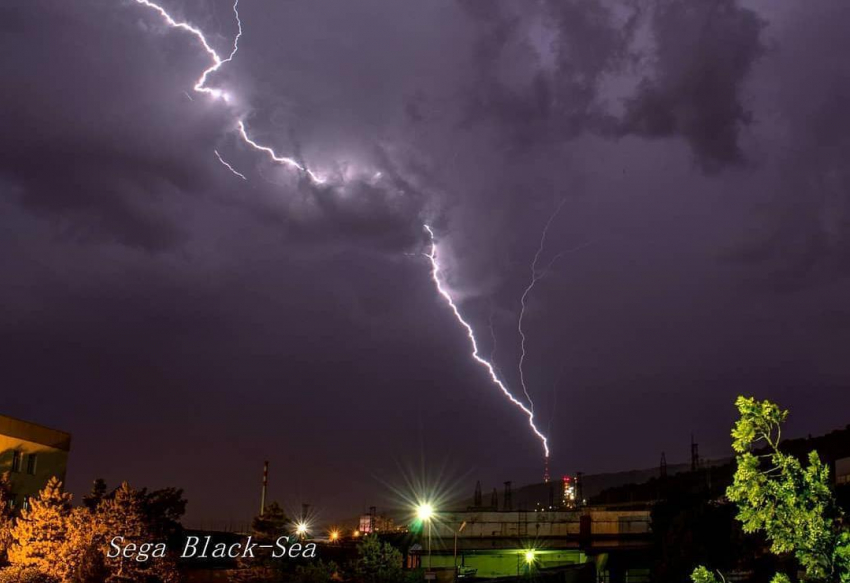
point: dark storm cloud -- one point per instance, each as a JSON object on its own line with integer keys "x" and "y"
{"x": 539, "y": 71}
{"x": 704, "y": 51}
{"x": 78, "y": 136}
{"x": 110, "y": 137}
{"x": 804, "y": 235}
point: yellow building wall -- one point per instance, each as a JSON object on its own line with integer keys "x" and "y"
{"x": 50, "y": 461}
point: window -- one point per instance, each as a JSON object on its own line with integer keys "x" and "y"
{"x": 26, "y": 504}
{"x": 31, "y": 460}
{"x": 17, "y": 457}
{"x": 13, "y": 500}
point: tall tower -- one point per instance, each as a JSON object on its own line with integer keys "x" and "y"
{"x": 476, "y": 501}
{"x": 507, "y": 503}
{"x": 546, "y": 469}
{"x": 694, "y": 454}
{"x": 265, "y": 487}
{"x": 662, "y": 469}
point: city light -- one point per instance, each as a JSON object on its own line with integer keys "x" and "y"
{"x": 424, "y": 512}
{"x": 334, "y": 535}
{"x": 529, "y": 556}
{"x": 301, "y": 529}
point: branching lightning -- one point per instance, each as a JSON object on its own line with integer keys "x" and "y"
{"x": 217, "y": 62}
{"x": 535, "y": 277}
{"x": 279, "y": 159}
{"x": 435, "y": 274}
{"x": 228, "y": 166}
{"x": 200, "y": 86}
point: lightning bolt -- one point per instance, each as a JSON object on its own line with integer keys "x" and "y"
{"x": 228, "y": 166}
{"x": 200, "y": 86}
{"x": 535, "y": 277}
{"x": 216, "y": 93}
{"x": 435, "y": 274}
{"x": 279, "y": 159}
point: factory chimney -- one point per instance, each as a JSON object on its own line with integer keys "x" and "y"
{"x": 265, "y": 487}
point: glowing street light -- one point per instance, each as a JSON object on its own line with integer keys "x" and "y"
{"x": 334, "y": 536}
{"x": 529, "y": 556}
{"x": 301, "y": 529}
{"x": 425, "y": 512}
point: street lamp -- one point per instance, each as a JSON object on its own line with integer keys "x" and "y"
{"x": 457, "y": 532}
{"x": 334, "y": 536}
{"x": 425, "y": 512}
{"x": 301, "y": 529}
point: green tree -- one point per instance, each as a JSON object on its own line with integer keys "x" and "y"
{"x": 273, "y": 523}
{"x": 265, "y": 529}
{"x": 378, "y": 562}
{"x": 790, "y": 503}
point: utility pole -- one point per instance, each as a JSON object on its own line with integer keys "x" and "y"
{"x": 457, "y": 532}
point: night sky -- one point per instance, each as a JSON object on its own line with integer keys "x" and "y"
{"x": 185, "y": 324}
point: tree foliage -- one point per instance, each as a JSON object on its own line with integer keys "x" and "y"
{"x": 52, "y": 542}
{"x": 40, "y": 532}
{"x": 378, "y": 562}
{"x": 5, "y": 516}
{"x": 792, "y": 504}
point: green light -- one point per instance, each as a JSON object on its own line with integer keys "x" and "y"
{"x": 529, "y": 556}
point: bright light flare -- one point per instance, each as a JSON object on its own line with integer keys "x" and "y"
{"x": 301, "y": 529}
{"x": 435, "y": 274}
{"x": 334, "y": 535}
{"x": 424, "y": 512}
{"x": 530, "y": 556}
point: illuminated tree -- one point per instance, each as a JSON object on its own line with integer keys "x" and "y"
{"x": 791, "y": 504}
{"x": 39, "y": 533}
{"x": 123, "y": 514}
{"x": 6, "y": 521}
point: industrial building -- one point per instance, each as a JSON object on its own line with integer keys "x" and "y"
{"x": 501, "y": 543}
{"x": 31, "y": 454}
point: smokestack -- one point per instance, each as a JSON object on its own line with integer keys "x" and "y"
{"x": 507, "y": 503}
{"x": 265, "y": 487}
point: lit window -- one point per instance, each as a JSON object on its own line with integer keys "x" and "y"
{"x": 31, "y": 461}
{"x": 13, "y": 500}
{"x": 26, "y": 504}
{"x": 17, "y": 457}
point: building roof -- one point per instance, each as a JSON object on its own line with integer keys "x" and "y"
{"x": 35, "y": 433}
